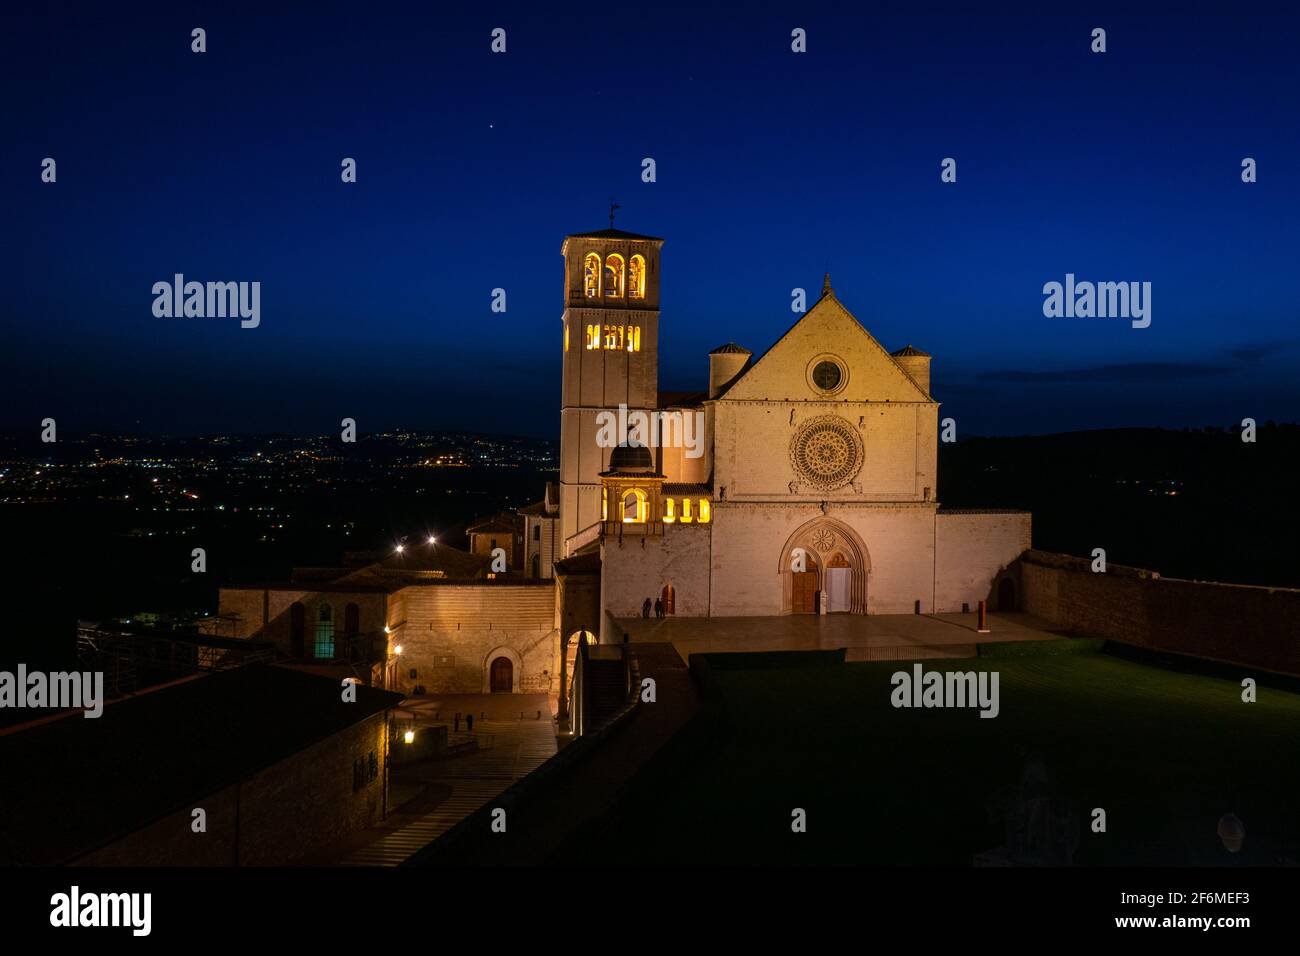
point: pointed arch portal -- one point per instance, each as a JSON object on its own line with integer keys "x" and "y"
{"x": 830, "y": 569}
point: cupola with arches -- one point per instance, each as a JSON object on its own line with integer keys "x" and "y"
{"x": 631, "y": 493}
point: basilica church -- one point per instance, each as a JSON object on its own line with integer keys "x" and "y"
{"x": 800, "y": 481}
{"x": 813, "y": 490}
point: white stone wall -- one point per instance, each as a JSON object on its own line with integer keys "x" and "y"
{"x": 631, "y": 572}
{"x": 748, "y": 552}
{"x": 971, "y": 548}
{"x": 752, "y": 450}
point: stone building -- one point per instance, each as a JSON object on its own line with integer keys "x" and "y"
{"x": 426, "y": 619}
{"x": 542, "y": 534}
{"x": 802, "y": 481}
{"x": 253, "y": 766}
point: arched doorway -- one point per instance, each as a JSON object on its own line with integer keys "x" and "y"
{"x": 1006, "y": 595}
{"x": 503, "y": 675}
{"x": 837, "y": 590}
{"x": 823, "y": 562}
{"x": 669, "y": 598}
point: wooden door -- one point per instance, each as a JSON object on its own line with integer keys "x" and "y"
{"x": 502, "y": 676}
{"x": 668, "y": 598}
{"x": 803, "y": 596}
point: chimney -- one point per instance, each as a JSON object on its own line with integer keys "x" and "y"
{"x": 725, "y": 363}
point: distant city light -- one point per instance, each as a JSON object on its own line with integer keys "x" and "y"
{"x": 399, "y": 549}
{"x": 432, "y": 539}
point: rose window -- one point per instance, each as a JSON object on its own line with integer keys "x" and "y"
{"x": 826, "y": 452}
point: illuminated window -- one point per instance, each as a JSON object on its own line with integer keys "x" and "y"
{"x": 613, "y": 337}
{"x": 706, "y": 512}
{"x": 566, "y": 336}
{"x": 614, "y": 275}
{"x": 634, "y": 507}
{"x": 591, "y": 275}
{"x": 636, "y": 278}
{"x": 685, "y": 516}
{"x": 669, "y": 505}
{"x": 325, "y": 632}
{"x": 604, "y": 504}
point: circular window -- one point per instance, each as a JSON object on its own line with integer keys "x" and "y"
{"x": 826, "y": 373}
{"x": 826, "y": 376}
{"x": 826, "y": 452}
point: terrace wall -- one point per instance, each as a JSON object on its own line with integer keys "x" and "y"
{"x": 1242, "y": 624}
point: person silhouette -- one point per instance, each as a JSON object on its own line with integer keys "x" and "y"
{"x": 645, "y": 608}
{"x": 659, "y": 607}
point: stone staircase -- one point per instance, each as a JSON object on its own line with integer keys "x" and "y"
{"x": 606, "y": 691}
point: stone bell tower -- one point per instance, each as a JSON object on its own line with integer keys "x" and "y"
{"x": 611, "y": 358}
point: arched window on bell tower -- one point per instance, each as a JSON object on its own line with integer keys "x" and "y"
{"x": 636, "y": 278}
{"x": 614, "y": 276}
{"x": 591, "y": 275}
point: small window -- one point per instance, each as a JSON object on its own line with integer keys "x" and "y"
{"x": 669, "y": 511}
{"x": 537, "y": 532}
{"x": 591, "y": 275}
{"x": 706, "y": 511}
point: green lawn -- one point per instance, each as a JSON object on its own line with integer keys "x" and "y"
{"x": 1166, "y": 753}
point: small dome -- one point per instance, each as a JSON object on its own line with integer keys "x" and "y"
{"x": 907, "y": 351}
{"x": 630, "y": 457}
{"x": 731, "y": 348}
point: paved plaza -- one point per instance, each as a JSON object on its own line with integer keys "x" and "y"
{"x": 438, "y": 794}
{"x": 870, "y": 637}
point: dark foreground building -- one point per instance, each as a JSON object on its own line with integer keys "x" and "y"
{"x": 277, "y": 761}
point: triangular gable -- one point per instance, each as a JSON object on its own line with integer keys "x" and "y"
{"x": 781, "y": 373}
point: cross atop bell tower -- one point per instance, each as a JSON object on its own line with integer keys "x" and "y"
{"x": 611, "y": 357}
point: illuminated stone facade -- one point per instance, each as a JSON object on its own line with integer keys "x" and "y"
{"x": 814, "y": 485}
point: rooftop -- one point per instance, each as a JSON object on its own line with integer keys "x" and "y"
{"x": 87, "y": 782}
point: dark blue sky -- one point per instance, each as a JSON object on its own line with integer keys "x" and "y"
{"x": 771, "y": 166}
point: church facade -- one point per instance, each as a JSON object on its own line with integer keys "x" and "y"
{"x": 801, "y": 481}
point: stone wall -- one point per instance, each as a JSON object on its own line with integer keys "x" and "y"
{"x": 266, "y": 613}
{"x": 973, "y": 550}
{"x": 297, "y": 807}
{"x": 638, "y": 567}
{"x": 451, "y": 633}
{"x": 1255, "y": 626}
